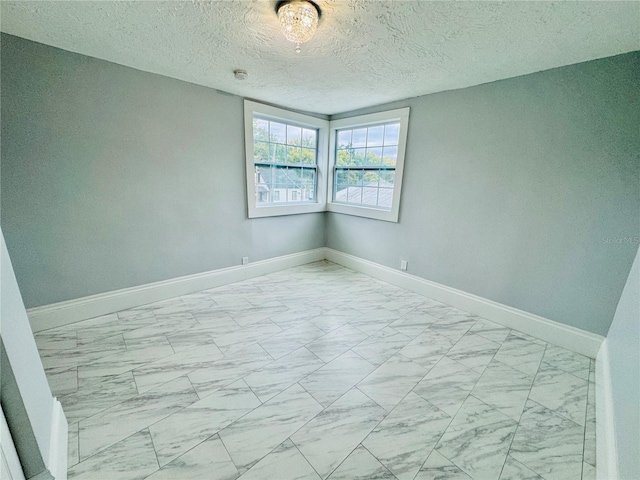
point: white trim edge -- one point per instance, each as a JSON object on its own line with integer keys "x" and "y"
{"x": 58, "y": 445}
{"x": 10, "y": 467}
{"x": 606, "y": 447}
{"x": 71, "y": 311}
{"x": 571, "y": 338}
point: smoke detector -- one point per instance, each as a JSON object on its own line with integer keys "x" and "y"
{"x": 240, "y": 74}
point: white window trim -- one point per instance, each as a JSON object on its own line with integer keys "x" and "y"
{"x": 325, "y": 161}
{"x": 401, "y": 115}
{"x": 299, "y": 119}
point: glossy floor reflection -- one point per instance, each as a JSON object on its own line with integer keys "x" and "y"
{"x": 317, "y": 372}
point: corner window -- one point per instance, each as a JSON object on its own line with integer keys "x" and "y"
{"x": 298, "y": 163}
{"x": 366, "y": 163}
{"x": 286, "y": 161}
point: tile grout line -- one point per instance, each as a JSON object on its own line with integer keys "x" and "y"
{"x": 461, "y": 404}
{"x": 304, "y": 456}
{"x": 226, "y": 450}
{"x": 155, "y": 451}
{"x": 522, "y": 413}
{"x": 377, "y": 459}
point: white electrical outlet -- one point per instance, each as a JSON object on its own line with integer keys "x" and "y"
{"x": 245, "y": 260}
{"x": 403, "y": 265}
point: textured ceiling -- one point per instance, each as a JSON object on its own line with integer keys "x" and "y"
{"x": 366, "y": 52}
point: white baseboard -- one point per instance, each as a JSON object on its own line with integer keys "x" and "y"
{"x": 71, "y": 311}
{"x": 63, "y": 313}
{"x": 606, "y": 447}
{"x": 58, "y": 444}
{"x": 565, "y": 336}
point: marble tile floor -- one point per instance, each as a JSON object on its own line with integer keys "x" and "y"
{"x": 317, "y": 372}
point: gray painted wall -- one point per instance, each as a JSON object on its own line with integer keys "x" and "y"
{"x": 113, "y": 177}
{"x": 518, "y": 191}
{"x": 524, "y": 191}
{"x": 25, "y": 395}
{"x": 623, "y": 346}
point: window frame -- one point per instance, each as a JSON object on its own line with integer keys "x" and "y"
{"x": 288, "y": 117}
{"x": 402, "y": 116}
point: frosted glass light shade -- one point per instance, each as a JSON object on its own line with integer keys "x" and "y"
{"x": 299, "y": 21}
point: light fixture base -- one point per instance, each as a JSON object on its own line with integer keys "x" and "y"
{"x": 284, "y": 2}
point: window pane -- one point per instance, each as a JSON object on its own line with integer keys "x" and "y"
{"x": 260, "y": 129}
{"x": 293, "y": 155}
{"x": 342, "y": 192}
{"x": 263, "y": 179}
{"x": 294, "y": 135}
{"x": 279, "y": 153}
{"x": 281, "y": 176}
{"x": 309, "y": 175}
{"x": 261, "y": 152}
{"x": 359, "y": 138}
{"x": 309, "y": 138}
{"x": 355, "y": 177}
{"x": 374, "y": 136}
{"x": 374, "y": 155}
{"x": 357, "y": 157}
{"x": 385, "y": 197}
{"x": 271, "y": 147}
{"x": 354, "y": 195}
{"x": 364, "y": 187}
{"x": 386, "y": 178}
{"x": 272, "y": 153}
{"x": 280, "y": 184}
{"x": 296, "y": 176}
{"x": 371, "y": 178}
{"x": 263, "y": 175}
{"x": 341, "y": 177}
{"x": 278, "y": 132}
{"x": 308, "y": 184}
{"x": 391, "y": 134}
{"x": 308, "y": 156}
{"x": 344, "y": 158}
{"x": 389, "y": 156}
{"x": 370, "y": 196}
{"x": 344, "y": 138}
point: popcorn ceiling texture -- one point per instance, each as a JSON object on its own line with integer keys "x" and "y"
{"x": 366, "y": 52}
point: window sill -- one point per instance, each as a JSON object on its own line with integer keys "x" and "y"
{"x": 366, "y": 212}
{"x": 289, "y": 209}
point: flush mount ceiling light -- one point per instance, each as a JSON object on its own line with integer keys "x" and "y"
{"x": 298, "y": 20}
